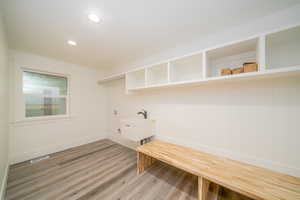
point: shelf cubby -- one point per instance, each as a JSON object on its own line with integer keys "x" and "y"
{"x": 157, "y": 74}
{"x": 136, "y": 79}
{"x": 231, "y": 56}
{"x": 187, "y": 68}
{"x": 283, "y": 49}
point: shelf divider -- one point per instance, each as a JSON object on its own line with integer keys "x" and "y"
{"x": 169, "y": 72}
{"x": 261, "y": 53}
{"x": 204, "y": 65}
{"x": 146, "y": 77}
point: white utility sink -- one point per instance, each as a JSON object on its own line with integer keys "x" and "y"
{"x": 137, "y": 129}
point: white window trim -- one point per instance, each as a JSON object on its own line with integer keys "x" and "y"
{"x": 51, "y": 117}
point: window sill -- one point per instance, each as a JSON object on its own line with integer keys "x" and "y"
{"x": 41, "y": 120}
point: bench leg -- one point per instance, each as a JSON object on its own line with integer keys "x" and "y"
{"x": 143, "y": 162}
{"x": 203, "y": 186}
{"x": 203, "y": 189}
{"x": 214, "y": 193}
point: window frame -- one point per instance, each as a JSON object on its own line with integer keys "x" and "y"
{"x": 46, "y": 117}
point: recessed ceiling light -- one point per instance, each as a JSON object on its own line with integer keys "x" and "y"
{"x": 94, "y": 18}
{"x": 72, "y": 43}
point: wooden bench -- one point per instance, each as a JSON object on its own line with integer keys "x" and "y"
{"x": 251, "y": 181}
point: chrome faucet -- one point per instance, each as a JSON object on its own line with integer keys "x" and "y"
{"x": 144, "y": 113}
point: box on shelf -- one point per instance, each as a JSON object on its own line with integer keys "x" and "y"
{"x": 237, "y": 70}
{"x": 250, "y": 67}
{"x": 226, "y": 71}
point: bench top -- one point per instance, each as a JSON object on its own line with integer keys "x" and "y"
{"x": 254, "y": 182}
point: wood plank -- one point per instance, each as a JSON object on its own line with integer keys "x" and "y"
{"x": 251, "y": 181}
{"x": 203, "y": 186}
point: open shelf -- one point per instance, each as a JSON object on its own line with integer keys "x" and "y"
{"x": 276, "y": 53}
{"x": 271, "y": 73}
{"x": 187, "y": 68}
{"x": 157, "y": 74}
{"x": 231, "y": 56}
{"x": 136, "y": 79}
{"x": 283, "y": 49}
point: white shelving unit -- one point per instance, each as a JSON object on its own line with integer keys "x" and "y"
{"x": 277, "y": 54}
{"x": 231, "y": 56}
{"x": 136, "y": 79}
{"x": 187, "y": 68}
{"x": 283, "y": 49}
{"x": 157, "y": 74}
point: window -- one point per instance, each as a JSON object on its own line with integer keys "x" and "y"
{"x": 45, "y": 94}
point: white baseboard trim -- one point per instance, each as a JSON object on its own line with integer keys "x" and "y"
{"x": 53, "y": 148}
{"x": 4, "y": 183}
{"x": 267, "y": 164}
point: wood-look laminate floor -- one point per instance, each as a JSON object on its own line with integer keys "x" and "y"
{"x": 101, "y": 170}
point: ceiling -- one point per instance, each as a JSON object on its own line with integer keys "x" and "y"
{"x": 130, "y": 30}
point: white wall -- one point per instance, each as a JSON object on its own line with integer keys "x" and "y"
{"x": 251, "y": 121}
{"x": 3, "y": 109}
{"x": 87, "y": 121}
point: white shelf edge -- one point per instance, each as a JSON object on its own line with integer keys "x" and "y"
{"x": 112, "y": 78}
{"x": 156, "y": 85}
{"x": 148, "y": 66}
{"x": 268, "y": 72}
{"x": 136, "y": 88}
